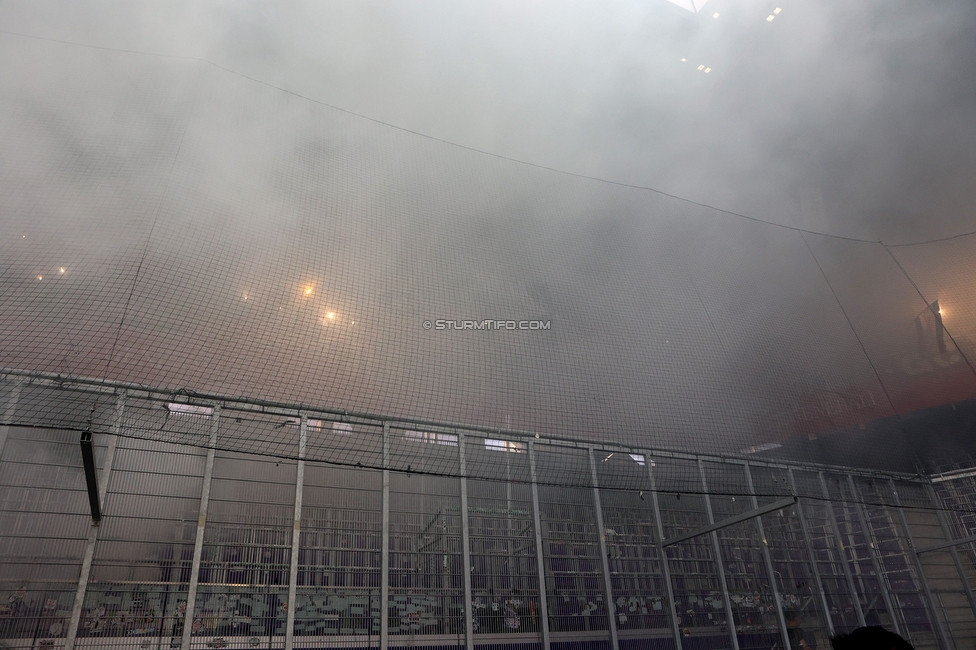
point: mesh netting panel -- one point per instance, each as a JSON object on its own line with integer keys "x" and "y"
{"x": 194, "y": 237}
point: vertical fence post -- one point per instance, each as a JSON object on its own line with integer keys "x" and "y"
{"x": 75, "y": 621}
{"x": 872, "y": 551}
{"x": 604, "y": 557}
{"x": 296, "y": 533}
{"x": 671, "y": 604}
{"x": 814, "y": 568}
{"x": 466, "y": 549}
{"x": 768, "y": 560}
{"x": 719, "y": 565}
{"x": 191, "y": 594}
{"x": 540, "y": 564}
{"x": 385, "y": 542}
{"x": 920, "y": 571}
{"x": 841, "y": 552}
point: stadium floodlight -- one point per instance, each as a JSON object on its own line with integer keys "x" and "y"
{"x": 928, "y": 322}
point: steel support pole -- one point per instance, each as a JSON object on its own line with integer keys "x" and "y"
{"x": 929, "y": 600}
{"x": 296, "y": 533}
{"x": 719, "y": 565}
{"x": 466, "y": 549}
{"x": 842, "y": 553}
{"x": 540, "y": 563}
{"x": 191, "y": 594}
{"x": 814, "y": 569}
{"x": 875, "y": 560}
{"x": 671, "y": 604}
{"x": 944, "y": 525}
{"x": 86, "y": 562}
{"x": 8, "y": 414}
{"x": 604, "y": 557}
{"x": 768, "y": 560}
{"x": 385, "y": 543}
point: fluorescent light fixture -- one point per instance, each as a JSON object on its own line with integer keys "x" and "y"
{"x": 449, "y": 439}
{"x": 715, "y": 15}
{"x": 777, "y": 10}
{"x": 189, "y": 409}
{"x": 701, "y": 67}
{"x": 707, "y": 70}
{"x": 769, "y": 18}
{"x": 318, "y": 425}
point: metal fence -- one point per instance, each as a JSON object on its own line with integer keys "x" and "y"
{"x": 359, "y": 532}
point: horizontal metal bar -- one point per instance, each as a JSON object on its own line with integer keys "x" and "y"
{"x": 772, "y": 507}
{"x": 950, "y": 544}
{"x": 135, "y": 392}
{"x": 952, "y": 476}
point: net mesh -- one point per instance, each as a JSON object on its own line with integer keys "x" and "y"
{"x": 211, "y": 237}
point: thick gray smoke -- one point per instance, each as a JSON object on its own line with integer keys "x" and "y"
{"x": 222, "y": 227}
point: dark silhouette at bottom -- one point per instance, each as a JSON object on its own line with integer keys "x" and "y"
{"x": 872, "y": 637}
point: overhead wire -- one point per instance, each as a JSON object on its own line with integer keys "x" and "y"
{"x": 452, "y": 143}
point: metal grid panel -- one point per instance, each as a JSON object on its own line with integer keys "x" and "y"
{"x": 44, "y": 522}
{"x": 793, "y": 570}
{"x": 338, "y": 595}
{"x": 426, "y": 588}
{"x": 949, "y": 588}
{"x": 154, "y": 496}
{"x": 504, "y": 580}
{"x": 698, "y": 596}
{"x": 830, "y": 564}
{"x": 142, "y": 560}
{"x": 900, "y": 574}
{"x": 571, "y": 551}
{"x": 636, "y": 573}
{"x": 752, "y": 600}
{"x": 246, "y": 549}
{"x": 858, "y": 546}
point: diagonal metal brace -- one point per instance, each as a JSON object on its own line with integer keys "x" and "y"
{"x": 749, "y": 514}
{"x": 949, "y": 544}
{"x": 91, "y": 477}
